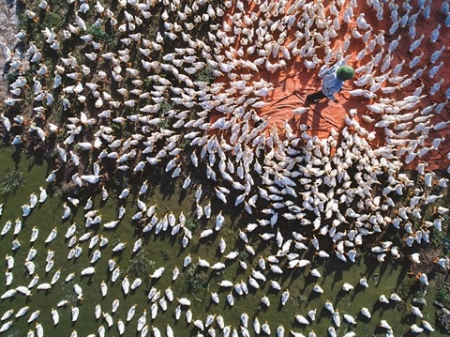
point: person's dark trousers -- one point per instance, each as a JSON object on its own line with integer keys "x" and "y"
{"x": 316, "y": 96}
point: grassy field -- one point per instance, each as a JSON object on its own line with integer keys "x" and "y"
{"x": 165, "y": 250}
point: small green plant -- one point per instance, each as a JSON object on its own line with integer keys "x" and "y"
{"x": 12, "y": 181}
{"x": 300, "y": 300}
{"x": 53, "y": 154}
{"x": 206, "y": 75}
{"x": 195, "y": 245}
{"x": 437, "y": 238}
{"x": 117, "y": 128}
{"x": 221, "y": 274}
{"x": 22, "y": 22}
{"x": 31, "y": 72}
{"x": 120, "y": 130}
{"x": 111, "y": 40}
{"x": 148, "y": 82}
{"x": 16, "y": 333}
{"x": 243, "y": 255}
{"x": 97, "y": 33}
{"x": 79, "y": 56}
{"x": 421, "y": 292}
{"x": 443, "y": 294}
{"x": 11, "y": 77}
{"x": 196, "y": 279}
{"x": 165, "y": 106}
{"x": 58, "y": 192}
{"x": 153, "y": 27}
{"x": 164, "y": 124}
{"x": 140, "y": 265}
{"x": 65, "y": 189}
{"x": 191, "y": 223}
{"x": 54, "y": 20}
{"x": 60, "y": 137}
{"x": 185, "y": 143}
{"x": 57, "y": 111}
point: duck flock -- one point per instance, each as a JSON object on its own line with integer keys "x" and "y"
{"x": 184, "y": 81}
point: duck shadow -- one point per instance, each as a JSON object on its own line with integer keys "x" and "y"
{"x": 356, "y": 290}
{"x": 324, "y": 314}
{"x": 381, "y": 307}
{"x": 340, "y": 296}
{"x": 182, "y": 196}
{"x": 313, "y": 295}
{"x": 167, "y": 186}
{"x": 15, "y": 156}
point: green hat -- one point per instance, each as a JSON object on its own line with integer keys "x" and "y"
{"x": 345, "y": 73}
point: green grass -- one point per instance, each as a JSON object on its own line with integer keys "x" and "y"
{"x": 193, "y": 283}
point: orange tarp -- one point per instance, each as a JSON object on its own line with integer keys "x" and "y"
{"x": 294, "y": 82}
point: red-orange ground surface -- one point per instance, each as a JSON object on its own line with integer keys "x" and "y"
{"x": 293, "y": 83}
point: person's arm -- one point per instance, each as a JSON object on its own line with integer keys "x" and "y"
{"x": 327, "y": 71}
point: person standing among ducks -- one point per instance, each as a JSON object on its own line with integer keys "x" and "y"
{"x": 332, "y": 81}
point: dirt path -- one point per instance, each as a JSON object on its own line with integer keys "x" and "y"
{"x": 8, "y": 29}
